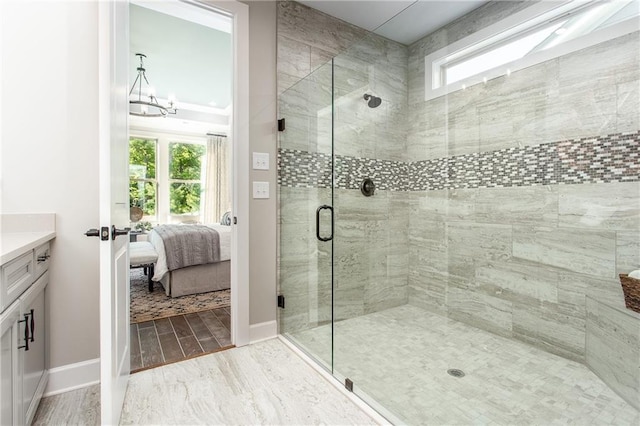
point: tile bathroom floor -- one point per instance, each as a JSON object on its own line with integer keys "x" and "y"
{"x": 258, "y": 384}
{"x": 507, "y": 382}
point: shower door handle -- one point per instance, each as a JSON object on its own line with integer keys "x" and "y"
{"x": 323, "y": 207}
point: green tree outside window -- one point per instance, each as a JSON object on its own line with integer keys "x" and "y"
{"x": 142, "y": 175}
{"x": 185, "y": 167}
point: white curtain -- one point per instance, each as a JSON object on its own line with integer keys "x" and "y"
{"x": 217, "y": 179}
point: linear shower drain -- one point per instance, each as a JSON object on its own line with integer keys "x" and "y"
{"x": 455, "y": 372}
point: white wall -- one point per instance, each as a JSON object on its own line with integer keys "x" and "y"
{"x": 49, "y": 127}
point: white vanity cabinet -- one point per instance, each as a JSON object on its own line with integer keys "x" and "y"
{"x": 23, "y": 338}
{"x": 10, "y": 385}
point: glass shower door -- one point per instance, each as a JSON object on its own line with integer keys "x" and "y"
{"x": 371, "y": 247}
{"x": 305, "y": 175}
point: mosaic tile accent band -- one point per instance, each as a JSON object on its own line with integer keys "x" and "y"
{"x": 612, "y": 158}
{"x": 304, "y": 169}
{"x": 602, "y": 159}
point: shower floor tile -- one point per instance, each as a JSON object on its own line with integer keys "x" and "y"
{"x": 506, "y": 381}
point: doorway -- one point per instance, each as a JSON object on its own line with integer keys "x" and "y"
{"x": 180, "y": 173}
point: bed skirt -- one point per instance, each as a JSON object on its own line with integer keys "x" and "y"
{"x": 198, "y": 279}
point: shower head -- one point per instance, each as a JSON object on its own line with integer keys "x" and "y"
{"x": 372, "y": 101}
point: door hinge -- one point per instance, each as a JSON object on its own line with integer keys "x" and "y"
{"x": 281, "y": 125}
{"x": 280, "y": 301}
{"x": 348, "y": 384}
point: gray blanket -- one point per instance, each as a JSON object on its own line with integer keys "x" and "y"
{"x": 188, "y": 245}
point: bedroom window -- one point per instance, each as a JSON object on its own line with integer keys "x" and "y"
{"x": 537, "y": 34}
{"x": 143, "y": 183}
{"x": 185, "y": 180}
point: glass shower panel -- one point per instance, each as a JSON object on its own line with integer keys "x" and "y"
{"x": 371, "y": 242}
{"x": 305, "y": 175}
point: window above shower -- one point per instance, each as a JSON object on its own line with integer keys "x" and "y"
{"x": 542, "y": 32}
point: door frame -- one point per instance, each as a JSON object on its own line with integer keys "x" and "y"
{"x": 239, "y": 135}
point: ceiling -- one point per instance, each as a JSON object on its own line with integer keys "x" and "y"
{"x": 411, "y": 21}
{"x": 188, "y": 58}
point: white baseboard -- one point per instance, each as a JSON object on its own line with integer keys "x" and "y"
{"x": 73, "y": 376}
{"x": 263, "y": 331}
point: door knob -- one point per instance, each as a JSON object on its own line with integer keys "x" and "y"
{"x": 115, "y": 232}
{"x": 103, "y": 233}
{"x": 93, "y": 232}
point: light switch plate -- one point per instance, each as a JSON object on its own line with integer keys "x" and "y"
{"x": 260, "y": 189}
{"x": 260, "y": 161}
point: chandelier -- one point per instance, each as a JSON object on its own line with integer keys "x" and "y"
{"x": 150, "y": 107}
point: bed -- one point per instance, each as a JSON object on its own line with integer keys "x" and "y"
{"x": 200, "y": 278}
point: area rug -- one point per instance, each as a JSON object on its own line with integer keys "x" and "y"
{"x": 147, "y": 306}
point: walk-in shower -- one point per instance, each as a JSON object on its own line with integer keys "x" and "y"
{"x": 479, "y": 281}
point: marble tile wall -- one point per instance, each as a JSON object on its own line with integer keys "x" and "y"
{"x": 521, "y": 261}
{"x": 613, "y": 342}
{"x": 309, "y": 97}
{"x": 307, "y": 39}
{"x": 304, "y": 263}
{"x": 571, "y": 97}
{"x": 527, "y": 197}
{"x": 370, "y": 253}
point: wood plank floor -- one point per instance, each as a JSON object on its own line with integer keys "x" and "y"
{"x": 167, "y": 340}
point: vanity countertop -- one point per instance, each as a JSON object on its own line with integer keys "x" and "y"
{"x": 23, "y": 232}
{"x": 14, "y": 244}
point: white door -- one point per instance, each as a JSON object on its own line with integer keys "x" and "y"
{"x": 114, "y": 207}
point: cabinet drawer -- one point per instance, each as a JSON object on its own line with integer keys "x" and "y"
{"x": 41, "y": 257}
{"x": 17, "y": 275}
